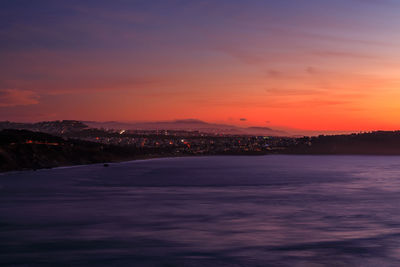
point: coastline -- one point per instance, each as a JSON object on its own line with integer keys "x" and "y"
{"x": 128, "y": 160}
{"x": 149, "y": 158}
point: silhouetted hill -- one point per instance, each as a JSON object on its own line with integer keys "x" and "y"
{"x": 22, "y": 149}
{"x": 373, "y": 143}
{"x": 188, "y": 125}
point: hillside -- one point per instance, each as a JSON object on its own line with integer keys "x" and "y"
{"x": 22, "y": 150}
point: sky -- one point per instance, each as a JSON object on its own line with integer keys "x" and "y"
{"x": 318, "y": 65}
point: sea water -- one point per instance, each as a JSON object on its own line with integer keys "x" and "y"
{"x": 205, "y": 211}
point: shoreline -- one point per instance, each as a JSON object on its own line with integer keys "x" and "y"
{"x": 149, "y": 158}
{"x": 138, "y": 159}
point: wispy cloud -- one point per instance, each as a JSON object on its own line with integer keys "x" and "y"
{"x": 347, "y": 54}
{"x": 15, "y": 97}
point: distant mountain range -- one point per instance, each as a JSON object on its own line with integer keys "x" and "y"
{"x": 188, "y": 125}
{"x": 66, "y": 126}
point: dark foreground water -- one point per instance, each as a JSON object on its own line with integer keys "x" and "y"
{"x": 209, "y": 211}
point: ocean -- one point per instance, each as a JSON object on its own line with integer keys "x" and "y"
{"x": 273, "y": 210}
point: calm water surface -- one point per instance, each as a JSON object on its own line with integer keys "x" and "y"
{"x": 207, "y": 211}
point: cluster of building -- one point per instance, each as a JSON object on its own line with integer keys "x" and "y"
{"x": 193, "y": 142}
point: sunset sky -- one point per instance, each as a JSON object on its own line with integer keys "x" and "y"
{"x": 303, "y": 64}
